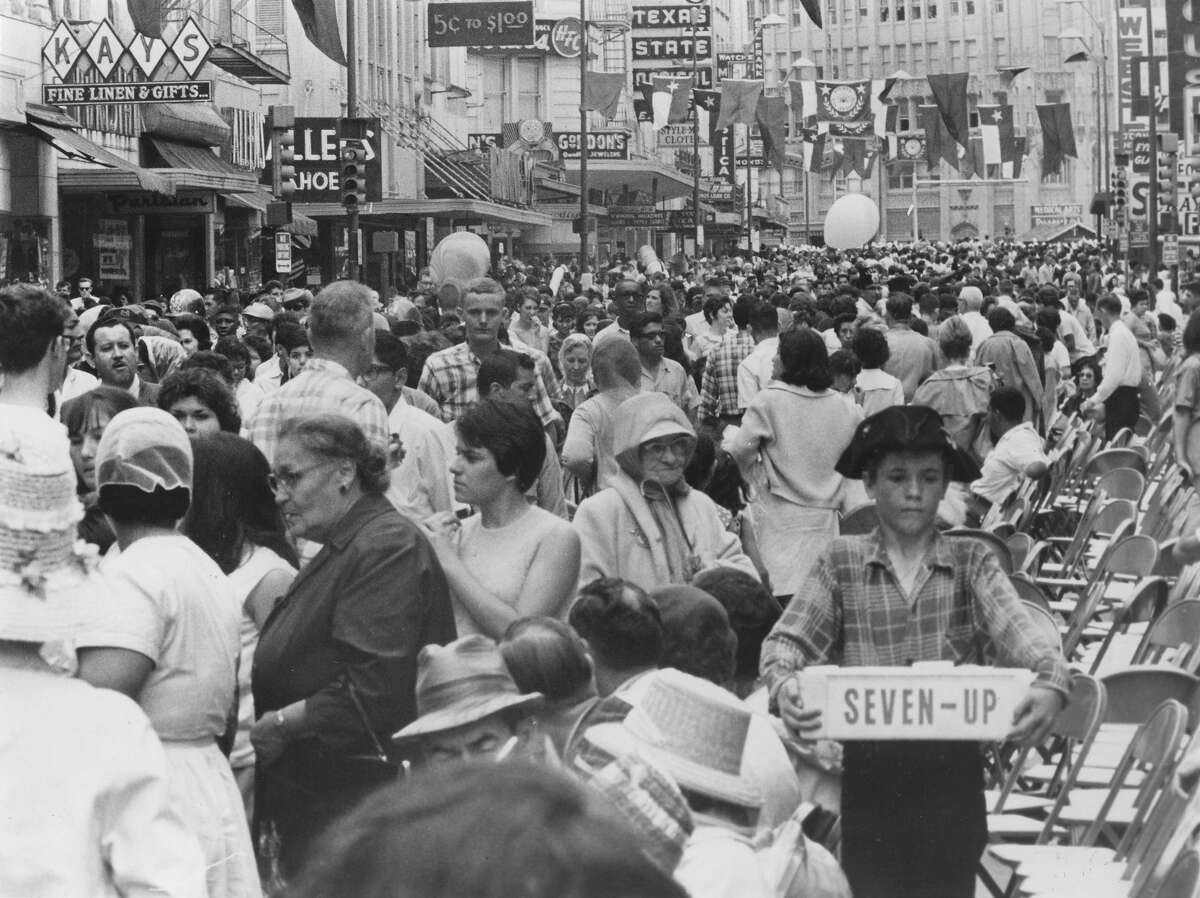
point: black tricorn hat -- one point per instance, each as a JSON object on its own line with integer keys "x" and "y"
{"x": 908, "y": 428}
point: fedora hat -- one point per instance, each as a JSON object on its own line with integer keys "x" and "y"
{"x": 463, "y": 682}
{"x": 694, "y": 730}
{"x": 910, "y": 428}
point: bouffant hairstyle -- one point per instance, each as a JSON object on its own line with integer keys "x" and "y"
{"x": 337, "y": 437}
{"x": 512, "y": 432}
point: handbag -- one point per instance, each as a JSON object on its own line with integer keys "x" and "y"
{"x": 368, "y": 768}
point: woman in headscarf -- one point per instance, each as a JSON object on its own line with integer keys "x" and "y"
{"x": 169, "y": 635}
{"x": 649, "y": 527}
{"x": 158, "y": 357}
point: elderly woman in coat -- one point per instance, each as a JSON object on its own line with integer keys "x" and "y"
{"x": 649, "y": 527}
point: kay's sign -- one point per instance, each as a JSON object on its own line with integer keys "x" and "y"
{"x": 104, "y": 51}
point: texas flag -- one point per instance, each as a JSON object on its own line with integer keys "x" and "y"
{"x": 670, "y": 99}
{"x": 996, "y": 129}
{"x": 708, "y": 108}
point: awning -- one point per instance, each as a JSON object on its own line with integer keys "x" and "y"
{"x": 195, "y": 167}
{"x": 86, "y": 167}
{"x": 1057, "y": 233}
{"x": 301, "y": 223}
{"x": 649, "y": 176}
{"x": 457, "y": 209}
{"x": 189, "y": 122}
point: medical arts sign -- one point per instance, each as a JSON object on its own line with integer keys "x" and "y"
{"x": 64, "y": 54}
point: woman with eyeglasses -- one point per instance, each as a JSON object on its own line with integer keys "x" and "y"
{"x": 649, "y": 527}
{"x": 336, "y": 664}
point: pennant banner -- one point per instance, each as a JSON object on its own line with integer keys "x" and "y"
{"x": 1058, "y": 135}
{"x": 602, "y": 92}
{"x": 707, "y": 104}
{"x": 771, "y": 114}
{"x": 996, "y": 129}
{"x": 939, "y": 144}
{"x": 1011, "y": 168}
{"x": 319, "y": 20}
{"x": 844, "y": 101}
{"x": 739, "y": 102}
{"x": 950, "y": 95}
{"x": 669, "y": 99}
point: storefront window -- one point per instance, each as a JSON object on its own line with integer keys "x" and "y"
{"x": 24, "y": 249}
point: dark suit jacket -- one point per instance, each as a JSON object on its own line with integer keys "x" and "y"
{"x": 148, "y": 393}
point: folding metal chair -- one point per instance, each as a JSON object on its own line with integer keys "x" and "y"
{"x": 1177, "y": 629}
{"x": 1145, "y": 605}
{"x": 997, "y": 546}
{"x": 860, "y": 520}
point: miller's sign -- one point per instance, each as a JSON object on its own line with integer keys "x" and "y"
{"x": 105, "y": 50}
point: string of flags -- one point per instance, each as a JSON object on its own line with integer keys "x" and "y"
{"x": 846, "y": 125}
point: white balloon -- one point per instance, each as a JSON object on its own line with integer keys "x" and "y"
{"x": 851, "y": 221}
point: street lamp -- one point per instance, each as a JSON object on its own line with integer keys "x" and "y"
{"x": 1101, "y": 59}
{"x": 755, "y": 51}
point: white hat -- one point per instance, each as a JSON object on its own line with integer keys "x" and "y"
{"x": 144, "y": 448}
{"x": 49, "y": 586}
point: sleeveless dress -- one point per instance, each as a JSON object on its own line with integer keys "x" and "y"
{"x": 244, "y": 580}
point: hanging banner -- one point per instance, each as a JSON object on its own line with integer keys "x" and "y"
{"x": 502, "y": 23}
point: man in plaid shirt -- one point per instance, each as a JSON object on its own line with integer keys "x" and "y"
{"x": 719, "y": 386}
{"x": 450, "y": 375}
{"x": 914, "y": 820}
{"x": 342, "y": 333}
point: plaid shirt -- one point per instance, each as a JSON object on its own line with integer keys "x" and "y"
{"x": 718, "y": 388}
{"x": 449, "y": 377}
{"x": 323, "y": 387}
{"x": 851, "y": 611}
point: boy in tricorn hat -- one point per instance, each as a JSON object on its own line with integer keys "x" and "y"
{"x": 914, "y": 819}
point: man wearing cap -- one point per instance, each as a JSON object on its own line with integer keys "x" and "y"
{"x": 257, "y": 319}
{"x": 914, "y": 818}
{"x": 468, "y": 706}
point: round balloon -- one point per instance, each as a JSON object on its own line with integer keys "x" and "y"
{"x": 851, "y": 221}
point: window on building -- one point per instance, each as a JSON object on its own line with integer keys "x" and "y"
{"x": 494, "y": 111}
{"x": 918, "y": 55}
{"x": 900, "y": 177}
{"x": 529, "y": 87}
{"x": 864, "y": 61}
{"x": 832, "y": 13}
{"x": 970, "y": 6}
{"x": 901, "y": 55}
{"x": 1054, "y": 96}
{"x": 931, "y": 11}
{"x": 955, "y": 48}
{"x": 1001, "y": 97}
{"x": 972, "y": 51}
{"x": 998, "y": 6}
{"x": 885, "y": 12}
{"x": 863, "y": 12}
{"x": 1000, "y": 49}
{"x": 973, "y": 118}
{"x": 1062, "y": 176}
{"x": 885, "y": 56}
{"x": 799, "y": 19}
{"x": 955, "y": 7}
{"x": 903, "y": 120}
{"x": 900, "y": 12}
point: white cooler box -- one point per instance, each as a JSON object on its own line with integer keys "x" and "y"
{"x": 934, "y": 700}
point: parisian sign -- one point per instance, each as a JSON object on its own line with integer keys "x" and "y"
{"x": 503, "y": 23}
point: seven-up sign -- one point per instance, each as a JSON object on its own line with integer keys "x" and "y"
{"x": 283, "y": 251}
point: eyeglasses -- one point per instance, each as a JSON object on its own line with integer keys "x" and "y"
{"x": 678, "y": 447}
{"x": 287, "y": 480}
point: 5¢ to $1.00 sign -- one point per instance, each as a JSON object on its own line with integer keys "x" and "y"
{"x": 494, "y": 24}
{"x": 926, "y": 701}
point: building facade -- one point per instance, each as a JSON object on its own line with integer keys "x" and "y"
{"x": 1015, "y": 53}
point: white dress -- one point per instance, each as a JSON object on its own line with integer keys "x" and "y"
{"x": 170, "y": 602}
{"x": 83, "y": 787}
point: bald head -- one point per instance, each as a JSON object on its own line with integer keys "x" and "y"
{"x": 971, "y": 298}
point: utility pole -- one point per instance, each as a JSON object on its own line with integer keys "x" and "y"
{"x": 352, "y": 113}
{"x": 584, "y": 219}
{"x": 1152, "y": 84}
{"x": 698, "y": 222}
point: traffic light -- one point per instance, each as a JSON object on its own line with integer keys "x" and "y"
{"x": 1120, "y": 189}
{"x": 354, "y": 173}
{"x": 283, "y": 152}
{"x": 1167, "y": 172}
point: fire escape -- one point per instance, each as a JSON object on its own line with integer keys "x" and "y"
{"x": 240, "y": 46}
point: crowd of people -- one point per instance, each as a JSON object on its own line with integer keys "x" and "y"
{"x": 514, "y": 573}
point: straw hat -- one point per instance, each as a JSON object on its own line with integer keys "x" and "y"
{"x": 49, "y": 587}
{"x": 692, "y": 729}
{"x": 909, "y": 428}
{"x": 462, "y": 683}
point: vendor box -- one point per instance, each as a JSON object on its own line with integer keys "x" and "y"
{"x": 926, "y": 701}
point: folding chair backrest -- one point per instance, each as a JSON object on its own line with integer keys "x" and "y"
{"x": 1044, "y": 620}
{"x": 1076, "y": 548}
{"x": 1123, "y": 556}
{"x": 1183, "y": 879}
{"x": 1168, "y": 566}
{"x": 1134, "y": 692}
{"x": 1178, "y": 627}
{"x": 1170, "y": 837}
{"x": 1151, "y": 752}
{"x": 1121, "y": 439}
{"x": 859, "y": 520}
{"x": 997, "y": 546}
{"x": 1073, "y": 731}
{"x": 1111, "y": 459}
{"x": 1019, "y": 545}
{"x": 1123, "y": 483}
{"x": 1029, "y": 591}
{"x": 1147, "y": 602}
{"x": 1133, "y": 556}
{"x": 1115, "y": 511}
